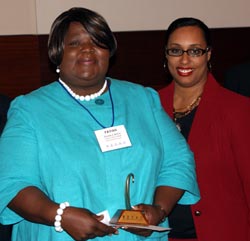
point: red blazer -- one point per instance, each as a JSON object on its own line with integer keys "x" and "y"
{"x": 219, "y": 138}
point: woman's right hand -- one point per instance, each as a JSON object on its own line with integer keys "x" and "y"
{"x": 81, "y": 224}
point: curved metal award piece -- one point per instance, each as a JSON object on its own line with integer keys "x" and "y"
{"x": 129, "y": 216}
{"x": 127, "y": 188}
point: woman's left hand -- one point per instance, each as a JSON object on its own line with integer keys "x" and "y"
{"x": 152, "y": 213}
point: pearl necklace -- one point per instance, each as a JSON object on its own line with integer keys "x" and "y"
{"x": 82, "y": 97}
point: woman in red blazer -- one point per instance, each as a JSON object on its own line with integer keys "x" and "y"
{"x": 216, "y": 124}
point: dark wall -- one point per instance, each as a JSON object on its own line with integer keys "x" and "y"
{"x": 19, "y": 64}
{"x": 24, "y": 63}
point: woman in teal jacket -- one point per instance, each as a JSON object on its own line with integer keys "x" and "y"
{"x": 74, "y": 142}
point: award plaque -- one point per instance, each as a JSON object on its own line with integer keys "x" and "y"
{"x": 128, "y": 215}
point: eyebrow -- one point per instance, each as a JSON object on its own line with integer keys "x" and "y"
{"x": 191, "y": 45}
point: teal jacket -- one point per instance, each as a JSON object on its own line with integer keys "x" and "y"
{"x": 49, "y": 142}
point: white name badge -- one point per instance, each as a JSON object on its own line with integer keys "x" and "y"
{"x": 112, "y": 138}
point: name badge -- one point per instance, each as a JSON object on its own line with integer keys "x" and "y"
{"x": 112, "y": 138}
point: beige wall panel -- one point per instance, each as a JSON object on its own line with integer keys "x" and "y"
{"x": 17, "y": 17}
{"x": 36, "y": 16}
{"x": 129, "y": 15}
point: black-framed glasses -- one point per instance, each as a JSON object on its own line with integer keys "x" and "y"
{"x": 194, "y": 52}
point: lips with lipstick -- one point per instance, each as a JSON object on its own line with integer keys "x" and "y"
{"x": 184, "y": 71}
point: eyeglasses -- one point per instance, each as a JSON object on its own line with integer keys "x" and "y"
{"x": 195, "y": 52}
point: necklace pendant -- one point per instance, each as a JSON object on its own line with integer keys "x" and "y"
{"x": 178, "y": 126}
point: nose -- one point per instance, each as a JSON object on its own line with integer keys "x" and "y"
{"x": 87, "y": 48}
{"x": 184, "y": 57}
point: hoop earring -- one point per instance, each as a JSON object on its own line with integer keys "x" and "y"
{"x": 209, "y": 66}
{"x": 165, "y": 66}
{"x": 57, "y": 69}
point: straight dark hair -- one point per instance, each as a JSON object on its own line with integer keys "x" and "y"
{"x": 189, "y": 21}
{"x": 94, "y": 24}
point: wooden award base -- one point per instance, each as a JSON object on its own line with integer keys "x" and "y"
{"x": 129, "y": 217}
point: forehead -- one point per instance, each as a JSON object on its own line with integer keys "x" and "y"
{"x": 75, "y": 28}
{"x": 187, "y": 35}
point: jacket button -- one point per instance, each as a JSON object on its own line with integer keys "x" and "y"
{"x": 197, "y": 213}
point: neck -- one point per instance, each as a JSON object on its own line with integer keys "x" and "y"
{"x": 184, "y": 97}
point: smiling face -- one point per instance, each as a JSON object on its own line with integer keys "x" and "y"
{"x": 84, "y": 64}
{"x": 188, "y": 71}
